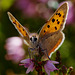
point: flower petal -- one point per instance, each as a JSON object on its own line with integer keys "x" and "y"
{"x": 51, "y": 67}
{"x": 54, "y": 62}
{"x": 26, "y": 61}
{"x": 26, "y": 65}
{"x": 21, "y": 64}
{"x": 46, "y": 69}
{"x": 30, "y": 68}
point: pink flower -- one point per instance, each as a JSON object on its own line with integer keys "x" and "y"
{"x": 28, "y": 64}
{"x": 15, "y": 51}
{"x": 50, "y": 67}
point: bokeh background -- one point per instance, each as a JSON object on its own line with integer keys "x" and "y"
{"x": 32, "y": 14}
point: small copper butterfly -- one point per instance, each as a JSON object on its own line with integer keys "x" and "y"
{"x": 51, "y": 36}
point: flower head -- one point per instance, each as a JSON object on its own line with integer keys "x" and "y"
{"x": 15, "y": 52}
{"x": 28, "y": 63}
{"x": 50, "y": 67}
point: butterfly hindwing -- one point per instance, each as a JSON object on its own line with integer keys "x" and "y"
{"x": 52, "y": 43}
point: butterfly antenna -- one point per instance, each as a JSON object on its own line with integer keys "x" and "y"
{"x": 39, "y": 30}
{"x": 47, "y": 55}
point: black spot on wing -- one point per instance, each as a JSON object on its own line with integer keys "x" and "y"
{"x": 15, "y": 23}
{"x": 58, "y": 22}
{"x": 48, "y": 26}
{"x": 55, "y": 28}
{"x": 53, "y": 20}
{"x": 63, "y": 16}
{"x": 44, "y": 31}
{"x": 19, "y": 26}
{"x": 26, "y": 33}
{"x": 23, "y": 29}
{"x": 59, "y": 14}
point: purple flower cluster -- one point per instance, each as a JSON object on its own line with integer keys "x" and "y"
{"x": 28, "y": 64}
{"x": 48, "y": 66}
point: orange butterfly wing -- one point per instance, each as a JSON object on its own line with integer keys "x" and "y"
{"x": 19, "y": 27}
{"x": 51, "y": 36}
{"x": 56, "y": 22}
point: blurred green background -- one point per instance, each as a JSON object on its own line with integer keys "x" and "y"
{"x": 33, "y": 14}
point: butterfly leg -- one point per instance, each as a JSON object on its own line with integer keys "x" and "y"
{"x": 29, "y": 53}
{"x": 47, "y": 54}
{"x": 45, "y": 50}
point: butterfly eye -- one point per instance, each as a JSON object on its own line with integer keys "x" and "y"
{"x": 31, "y": 39}
{"x": 35, "y": 39}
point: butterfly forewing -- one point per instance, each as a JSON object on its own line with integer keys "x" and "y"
{"x": 56, "y": 22}
{"x": 18, "y": 26}
{"x": 51, "y": 36}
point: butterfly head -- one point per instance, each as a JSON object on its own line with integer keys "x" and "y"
{"x": 34, "y": 38}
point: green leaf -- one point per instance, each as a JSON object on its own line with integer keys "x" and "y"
{"x": 5, "y": 4}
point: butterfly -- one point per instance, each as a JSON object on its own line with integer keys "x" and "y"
{"x": 50, "y": 37}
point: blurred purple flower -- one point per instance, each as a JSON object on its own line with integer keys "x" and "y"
{"x": 43, "y": 1}
{"x": 15, "y": 52}
{"x": 28, "y": 64}
{"x": 22, "y": 4}
{"x": 50, "y": 67}
{"x": 71, "y": 16}
{"x": 26, "y": 6}
{"x": 33, "y": 8}
{"x": 43, "y": 11}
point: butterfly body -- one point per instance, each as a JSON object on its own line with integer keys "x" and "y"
{"x": 50, "y": 37}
